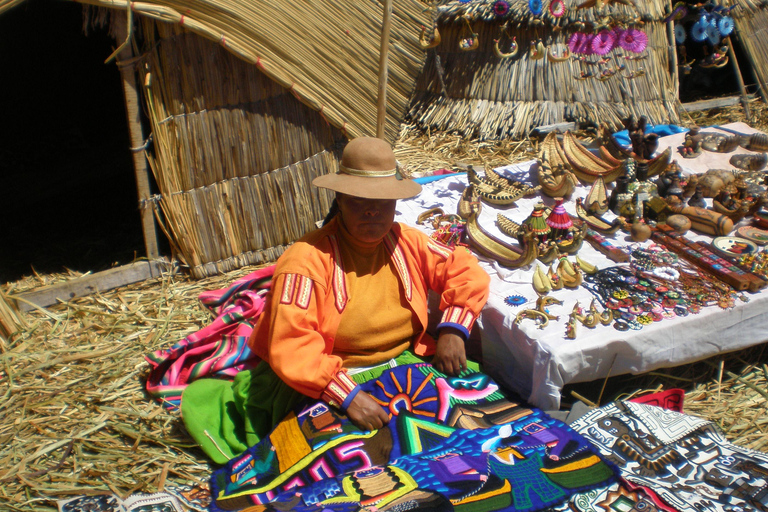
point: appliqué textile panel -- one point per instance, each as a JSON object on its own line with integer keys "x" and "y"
{"x": 218, "y": 350}
{"x": 687, "y": 462}
{"x": 451, "y": 443}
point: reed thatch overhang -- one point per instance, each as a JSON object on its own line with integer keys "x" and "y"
{"x": 751, "y": 19}
{"x": 491, "y": 95}
{"x": 249, "y": 101}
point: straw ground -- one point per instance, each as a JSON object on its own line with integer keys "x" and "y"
{"x": 75, "y": 419}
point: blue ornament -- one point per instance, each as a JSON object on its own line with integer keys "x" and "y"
{"x": 515, "y": 300}
{"x": 536, "y": 7}
{"x": 725, "y": 26}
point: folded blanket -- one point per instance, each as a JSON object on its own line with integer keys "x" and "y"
{"x": 452, "y": 443}
{"x": 218, "y": 350}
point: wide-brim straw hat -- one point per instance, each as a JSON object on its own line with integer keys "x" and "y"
{"x": 368, "y": 169}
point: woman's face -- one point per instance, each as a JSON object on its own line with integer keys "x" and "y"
{"x": 368, "y": 220}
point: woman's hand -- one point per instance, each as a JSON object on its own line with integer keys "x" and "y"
{"x": 365, "y": 413}
{"x": 450, "y": 355}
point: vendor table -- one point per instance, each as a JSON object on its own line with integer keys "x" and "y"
{"x": 536, "y": 363}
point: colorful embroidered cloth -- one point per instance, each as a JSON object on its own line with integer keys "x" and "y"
{"x": 685, "y": 460}
{"x": 218, "y": 350}
{"x": 451, "y": 444}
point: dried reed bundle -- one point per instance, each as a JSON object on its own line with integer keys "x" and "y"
{"x": 246, "y": 220}
{"x": 11, "y": 320}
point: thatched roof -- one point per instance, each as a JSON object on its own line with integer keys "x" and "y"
{"x": 752, "y": 20}
{"x": 325, "y": 52}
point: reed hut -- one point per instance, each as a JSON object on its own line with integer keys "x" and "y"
{"x": 245, "y": 102}
{"x": 504, "y": 67}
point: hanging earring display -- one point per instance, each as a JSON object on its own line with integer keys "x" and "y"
{"x": 511, "y": 46}
{"x": 557, "y": 8}
{"x": 471, "y": 41}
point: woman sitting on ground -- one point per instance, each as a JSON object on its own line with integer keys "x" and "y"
{"x": 347, "y": 302}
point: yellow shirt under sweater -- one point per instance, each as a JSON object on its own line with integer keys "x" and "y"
{"x": 377, "y": 324}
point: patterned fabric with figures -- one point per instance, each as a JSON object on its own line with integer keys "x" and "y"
{"x": 685, "y": 460}
{"x": 452, "y": 443}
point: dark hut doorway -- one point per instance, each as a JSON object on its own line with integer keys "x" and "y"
{"x": 66, "y": 170}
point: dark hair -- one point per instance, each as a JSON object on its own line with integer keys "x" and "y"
{"x": 332, "y": 212}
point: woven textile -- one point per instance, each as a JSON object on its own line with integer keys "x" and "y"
{"x": 452, "y": 443}
{"x": 219, "y": 349}
{"x": 681, "y": 462}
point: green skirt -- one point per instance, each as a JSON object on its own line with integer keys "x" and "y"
{"x": 227, "y": 417}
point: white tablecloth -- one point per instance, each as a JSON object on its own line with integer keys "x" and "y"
{"x": 537, "y": 363}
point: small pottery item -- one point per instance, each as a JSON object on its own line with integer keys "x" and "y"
{"x": 750, "y": 162}
{"x": 753, "y": 234}
{"x": 755, "y": 142}
{"x": 761, "y": 218}
{"x": 691, "y": 147}
{"x": 718, "y": 143}
{"x": 697, "y": 199}
{"x": 639, "y": 231}
{"x": 733, "y": 246}
{"x": 680, "y": 223}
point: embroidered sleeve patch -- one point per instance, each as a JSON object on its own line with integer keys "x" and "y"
{"x": 297, "y": 290}
{"x": 458, "y": 315}
{"x": 337, "y": 391}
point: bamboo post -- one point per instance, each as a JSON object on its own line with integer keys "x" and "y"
{"x": 737, "y": 70}
{"x": 381, "y": 118}
{"x": 132, "y": 111}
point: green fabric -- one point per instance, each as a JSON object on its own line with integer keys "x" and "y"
{"x": 227, "y": 417}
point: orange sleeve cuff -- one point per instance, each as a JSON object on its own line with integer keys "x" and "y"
{"x": 340, "y": 391}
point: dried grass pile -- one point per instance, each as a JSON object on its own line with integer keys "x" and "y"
{"x": 75, "y": 419}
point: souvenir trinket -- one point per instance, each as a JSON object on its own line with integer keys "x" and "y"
{"x": 753, "y": 234}
{"x": 733, "y": 246}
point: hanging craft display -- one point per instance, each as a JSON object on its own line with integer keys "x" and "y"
{"x": 603, "y": 42}
{"x": 725, "y": 26}
{"x": 500, "y": 7}
{"x": 429, "y": 41}
{"x": 680, "y": 34}
{"x": 537, "y": 51}
{"x": 557, "y": 8}
{"x": 471, "y": 41}
{"x": 699, "y": 30}
{"x": 679, "y": 11}
{"x": 633, "y": 40}
{"x": 499, "y": 46}
{"x": 713, "y": 35}
{"x": 580, "y": 43}
{"x": 553, "y": 57}
{"x": 536, "y": 7}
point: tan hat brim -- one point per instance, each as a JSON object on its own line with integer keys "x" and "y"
{"x": 388, "y": 187}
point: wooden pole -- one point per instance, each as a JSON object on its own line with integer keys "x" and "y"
{"x": 381, "y": 118}
{"x": 132, "y": 111}
{"x": 737, "y": 70}
{"x": 673, "y": 54}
